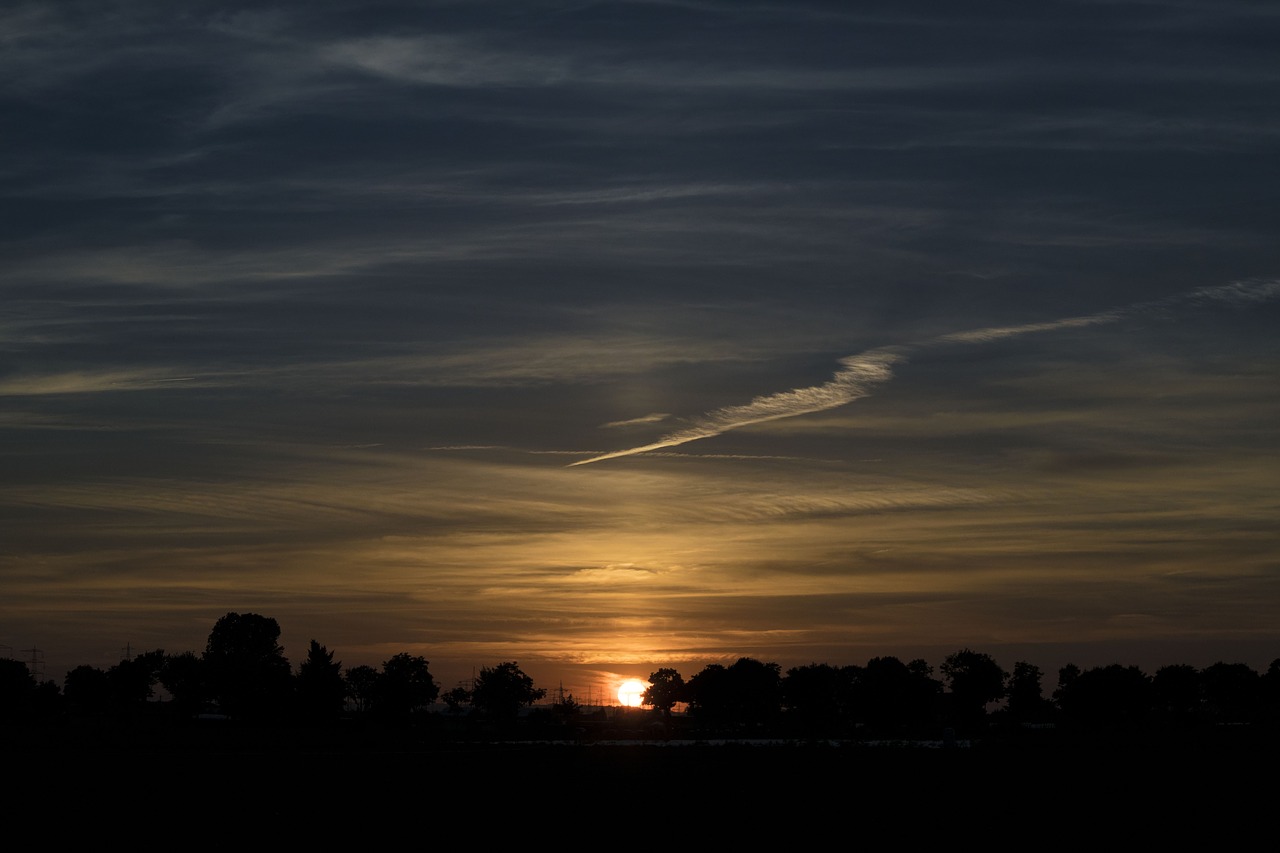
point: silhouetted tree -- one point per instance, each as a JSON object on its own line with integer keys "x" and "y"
{"x": 500, "y": 692}
{"x": 817, "y": 697}
{"x": 1067, "y": 675}
{"x": 132, "y": 682}
{"x": 321, "y": 692}
{"x": 17, "y": 690}
{"x": 1271, "y": 692}
{"x": 404, "y": 686}
{"x": 1026, "y": 696}
{"x": 892, "y": 698}
{"x": 974, "y": 679}
{"x": 708, "y": 695}
{"x": 245, "y": 667}
{"x": 1232, "y": 692}
{"x": 122, "y": 689}
{"x": 1113, "y": 698}
{"x": 456, "y": 698}
{"x": 182, "y": 676}
{"x": 1176, "y": 695}
{"x": 87, "y": 691}
{"x": 747, "y": 693}
{"x": 757, "y": 688}
{"x": 666, "y": 689}
{"x": 361, "y": 684}
{"x": 47, "y": 702}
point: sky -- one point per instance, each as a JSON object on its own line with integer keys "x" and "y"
{"x": 610, "y": 336}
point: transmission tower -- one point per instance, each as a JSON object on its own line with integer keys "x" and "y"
{"x": 36, "y": 664}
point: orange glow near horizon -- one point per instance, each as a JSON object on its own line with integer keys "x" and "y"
{"x": 631, "y": 692}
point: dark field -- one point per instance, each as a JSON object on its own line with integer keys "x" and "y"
{"x": 526, "y": 793}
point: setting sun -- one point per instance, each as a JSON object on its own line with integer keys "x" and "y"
{"x": 631, "y": 693}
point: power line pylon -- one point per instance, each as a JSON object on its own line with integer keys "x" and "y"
{"x": 36, "y": 664}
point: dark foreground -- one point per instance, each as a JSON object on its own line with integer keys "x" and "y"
{"x": 752, "y": 794}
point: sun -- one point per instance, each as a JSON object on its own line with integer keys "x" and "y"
{"x": 631, "y": 693}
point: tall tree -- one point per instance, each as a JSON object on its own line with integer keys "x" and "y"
{"x": 182, "y": 675}
{"x": 321, "y": 692}
{"x": 666, "y": 688}
{"x": 1271, "y": 692}
{"x": 747, "y": 693}
{"x": 710, "y": 696}
{"x": 361, "y": 684}
{"x": 1067, "y": 675}
{"x": 974, "y": 680}
{"x": 87, "y": 691}
{"x": 132, "y": 682}
{"x": 404, "y": 686}
{"x": 816, "y": 697}
{"x": 757, "y": 689}
{"x": 1176, "y": 694}
{"x": 1026, "y": 695}
{"x": 894, "y": 698}
{"x": 17, "y": 689}
{"x": 500, "y": 692}
{"x": 1233, "y": 692}
{"x": 247, "y": 672}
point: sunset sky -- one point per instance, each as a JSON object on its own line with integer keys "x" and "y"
{"x": 605, "y": 336}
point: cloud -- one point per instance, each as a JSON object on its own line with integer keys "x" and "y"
{"x": 445, "y": 61}
{"x": 653, "y": 418}
{"x": 859, "y": 373}
{"x": 92, "y": 382}
{"x": 982, "y": 336}
{"x": 1238, "y": 293}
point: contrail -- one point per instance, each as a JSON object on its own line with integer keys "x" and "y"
{"x": 853, "y": 380}
{"x": 859, "y": 373}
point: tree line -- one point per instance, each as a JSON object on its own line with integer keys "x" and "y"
{"x": 243, "y": 676}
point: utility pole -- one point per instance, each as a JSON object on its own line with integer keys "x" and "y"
{"x": 36, "y": 664}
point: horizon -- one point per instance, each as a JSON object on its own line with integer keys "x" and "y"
{"x": 586, "y": 681}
